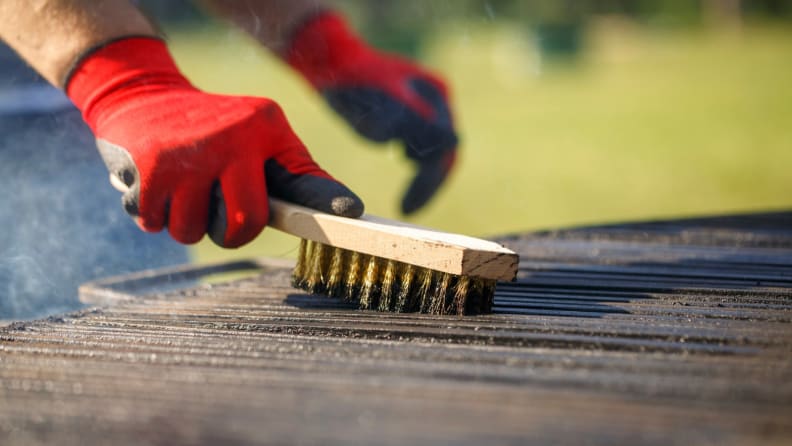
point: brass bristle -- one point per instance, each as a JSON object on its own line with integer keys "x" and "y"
{"x": 303, "y": 266}
{"x": 309, "y": 275}
{"x": 406, "y": 288}
{"x": 298, "y": 275}
{"x": 316, "y": 277}
{"x": 388, "y": 285}
{"x": 461, "y": 294}
{"x": 480, "y": 296}
{"x": 335, "y": 277}
{"x": 424, "y": 291}
{"x": 437, "y": 300}
{"x": 353, "y": 275}
{"x": 486, "y": 299}
{"x": 369, "y": 291}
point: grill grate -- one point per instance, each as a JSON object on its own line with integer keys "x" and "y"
{"x": 656, "y": 333}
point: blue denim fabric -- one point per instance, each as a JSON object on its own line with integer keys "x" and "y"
{"x": 61, "y": 223}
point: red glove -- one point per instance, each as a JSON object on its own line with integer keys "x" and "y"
{"x": 382, "y": 96}
{"x": 171, "y": 144}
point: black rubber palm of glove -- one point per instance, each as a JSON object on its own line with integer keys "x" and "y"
{"x": 431, "y": 143}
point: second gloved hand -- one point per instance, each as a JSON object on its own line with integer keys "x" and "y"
{"x": 172, "y": 144}
{"x": 382, "y": 96}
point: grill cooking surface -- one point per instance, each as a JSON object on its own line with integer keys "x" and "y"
{"x": 660, "y": 333}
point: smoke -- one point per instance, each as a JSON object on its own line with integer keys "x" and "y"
{"x": 61, "y": 223}
{"x": 21, "y": 277}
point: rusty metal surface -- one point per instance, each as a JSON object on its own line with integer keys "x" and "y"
{"x": 655, "y": 333}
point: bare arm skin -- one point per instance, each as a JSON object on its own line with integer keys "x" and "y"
{"x": 51, "y": 35}
{"x": 270, "y": 22}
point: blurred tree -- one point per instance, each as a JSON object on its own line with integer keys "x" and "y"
{"x": 770, "y": 8}
{"x": 383, "y": 19}
{"x": 723, "y": 12}
{"x": 171, "y": 11}
{"x": 394, "y": 25}
{"x": 559, "y": 26}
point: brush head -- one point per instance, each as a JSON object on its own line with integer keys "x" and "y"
{"x": 388, "y": 285}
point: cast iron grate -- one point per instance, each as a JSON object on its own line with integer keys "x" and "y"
{"x": 663, "y": 333}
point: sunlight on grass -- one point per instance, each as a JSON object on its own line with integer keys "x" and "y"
{"x": 649, "y": 124}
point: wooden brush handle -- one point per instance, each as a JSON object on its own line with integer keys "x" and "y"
{"x": 423, "y": 247}
{"x": 427, "y": 248}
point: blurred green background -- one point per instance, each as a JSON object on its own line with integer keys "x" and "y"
{"x": 570, "y": 112}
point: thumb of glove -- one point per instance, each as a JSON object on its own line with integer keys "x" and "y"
{"x": 307, "y": 190}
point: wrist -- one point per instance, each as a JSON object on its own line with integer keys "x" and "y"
{"x": 117, "y": 69}
{"x": 321, "y": 46}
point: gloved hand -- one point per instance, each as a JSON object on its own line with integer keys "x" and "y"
{"x": 382, "y": 96}
{"x": 171, "y": 144}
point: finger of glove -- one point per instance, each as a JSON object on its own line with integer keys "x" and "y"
{"x": 124, "y": 173}
{"x": 216, "y": 226}
{"x": 121, "y": 165}
{"x": 431, "y": 92}
{"x": 318, "y": 192}
{"x": 299, "y": 189}
{"x": 293, "y": 181}
{"x": 431, "y": 174}
{"x": 406, "y": 93}
{"x": 152, "y": 205}
{"x": 189, "y": 212}
{"x": 426, "y": 139}
{"x": 244, "y": 195}
{"x": 432, "y": 145}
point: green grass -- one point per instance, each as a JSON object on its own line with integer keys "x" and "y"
{"x": 650, "y": 124}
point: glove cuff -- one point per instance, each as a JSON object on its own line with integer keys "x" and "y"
{"x": 129, "y": 65}
{"x": 321, "y": 45}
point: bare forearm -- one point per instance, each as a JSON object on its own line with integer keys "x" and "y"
{"x": 271, "y": 22}
{"x": 52, "y": 34}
